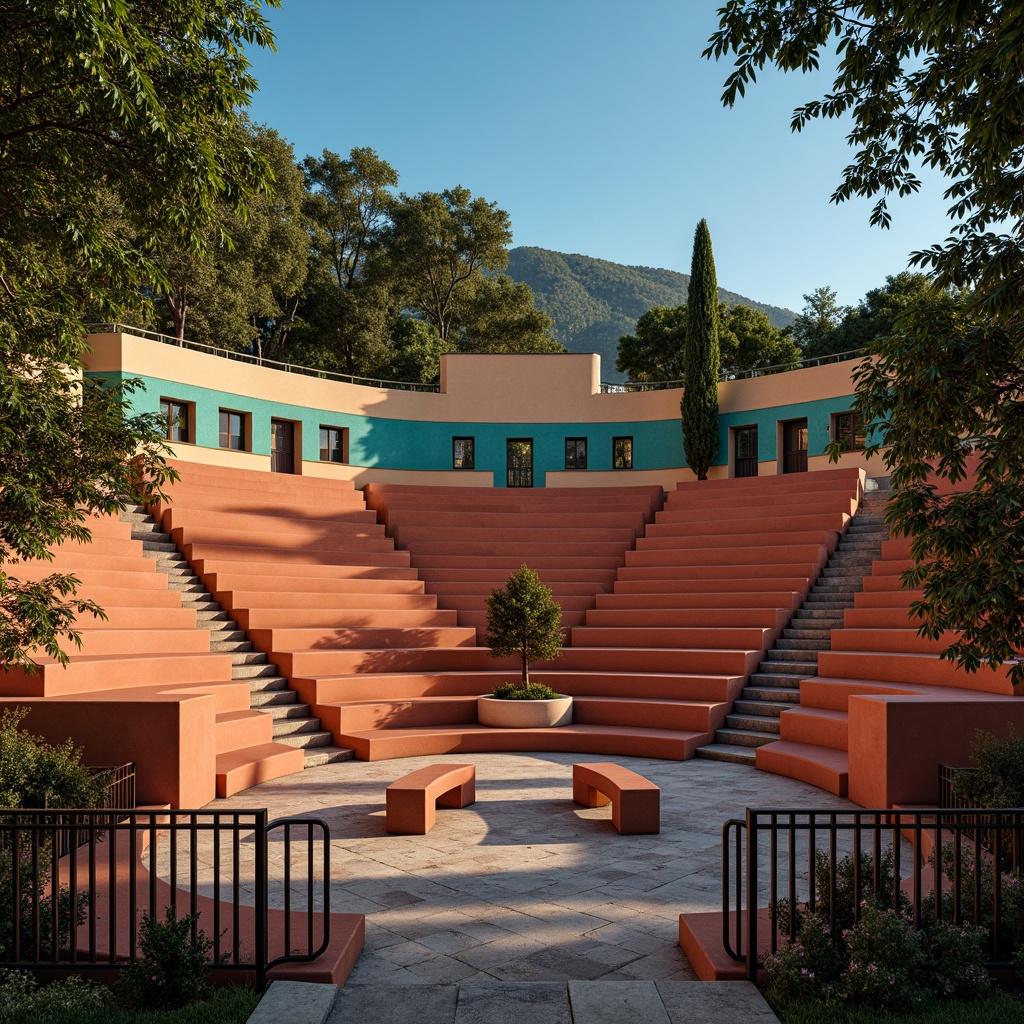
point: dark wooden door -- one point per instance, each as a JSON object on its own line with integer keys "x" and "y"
{"x": 794, "y": 446}
{"x": 745, "y": 459}
{"x": 282, "y": 446}
{"x": 519, "y": 459}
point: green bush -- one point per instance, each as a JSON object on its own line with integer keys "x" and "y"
{"x": 956, "y": 961}
{"x": 879, "y": 960}
{"x": 34, "y": 773}
{"x": 174, "y": 967}
{"x": 887, "y": 962}
{"x": 516, "y": 691}
{"x": 999, "y": 779}
{"x": 21, "y": 999}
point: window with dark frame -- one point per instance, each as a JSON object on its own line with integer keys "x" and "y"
{"x": 176, "y": 417}
{"x": 232, "y": 430}
{"x": 745, "y": 460}
{"x": 848, "y": 427}
{"x": 575, "y": 453}
{"x": 462, "y": 453}
{"x": 334, "y": 444}
{"x": 622, "y": 453}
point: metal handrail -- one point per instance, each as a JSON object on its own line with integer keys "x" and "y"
{"x": 64, "y": 898}
{"x": 610, "y": 387}
{"x": 969, "y": 853}
{"x": 273, "y": 364}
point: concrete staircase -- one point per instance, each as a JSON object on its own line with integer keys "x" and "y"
{"x": 294, "y": 724}
{"x": 775, "y": 686}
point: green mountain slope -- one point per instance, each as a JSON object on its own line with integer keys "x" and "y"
{"x": 594, "y": 302}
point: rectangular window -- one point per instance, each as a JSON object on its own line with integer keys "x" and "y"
{"x": 176, "y": 417}
{"x": 334, "y": 444}
{"x": 462, "y": 453}
{"x": 232, "y": 430}
{"x": 622, "y": 453}
{"x": 848, "y": 427}
{"x": 575, "y": 453}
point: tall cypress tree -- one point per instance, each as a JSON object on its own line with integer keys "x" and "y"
{"x": 701, "y": 358}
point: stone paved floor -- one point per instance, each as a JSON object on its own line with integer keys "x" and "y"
{"x": 525, "y": 885}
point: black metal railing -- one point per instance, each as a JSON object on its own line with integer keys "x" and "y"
{"x": 611, "y": 388}
{"x": 273, "y": 364}
{"x": 119, "y": 786}
{"x": 795, "y": 861}
{"x": 66, "y": 910}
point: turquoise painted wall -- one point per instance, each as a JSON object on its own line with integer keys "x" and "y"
{"x": 426, "y": 445}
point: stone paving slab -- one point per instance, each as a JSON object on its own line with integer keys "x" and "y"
{"x": 575, "y": 1002}
{"x": 524, "y": 885}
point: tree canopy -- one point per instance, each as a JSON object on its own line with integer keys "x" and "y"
{"x": 701, "y": 363}
{"x": 934, "y": 84}
{"x": 117, "y": 122}
{"x": 939, "y": 85}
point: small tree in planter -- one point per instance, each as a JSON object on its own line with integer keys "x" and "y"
{"x": 525, "y": 620}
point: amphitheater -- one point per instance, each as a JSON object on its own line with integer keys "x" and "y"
{"x": 308, "y": 608}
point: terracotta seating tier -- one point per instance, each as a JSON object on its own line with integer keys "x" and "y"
{"x": 441, "y": 711}
{"x": 405, "y": 686}
{"x": 382, "y": 744}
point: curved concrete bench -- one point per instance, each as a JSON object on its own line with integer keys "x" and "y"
{"x": 636, "y": 801}
{"x": 413, "y": 799}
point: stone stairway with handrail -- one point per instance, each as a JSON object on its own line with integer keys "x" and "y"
{"x": 294, "y": 724}
{"x": 775, "y": 686}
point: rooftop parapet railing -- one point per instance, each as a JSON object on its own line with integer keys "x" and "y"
{"x": 627, "y": 387}
{"x": 607, "y": 387}
{"x": 273, "y": 364}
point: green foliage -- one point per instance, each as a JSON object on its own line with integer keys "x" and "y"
{"x": 34, "y": 773}
{"x": 69, "y": 449}
{"x": 701, "y": 362}
{"x": 23, "y": 1000}
{"x": 74, "y": 1000}
{"x": 995, "y": 1007}
{"x": 998, "y": 780}
{"x": 936, "y": 84}
{"x": 126, "y": 109}
{"x": 516, "y": 691}
{"x": 817, "y": 327}
{"x": 173, "y": 969}
{"x": 244, "y": 295}
{"x": 524, "y": 619}
{"x": 436, "y": 249}
{"x": 38, "y": 774}
{"x": 594, "y": 302}
{"x": 940, "y": 396}
{"x": 502, "y": 317}
{"x": 655, "y": 351}
{"x": 886, "y": 962}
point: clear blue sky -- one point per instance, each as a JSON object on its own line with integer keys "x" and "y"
{"x": 597, "y": 126}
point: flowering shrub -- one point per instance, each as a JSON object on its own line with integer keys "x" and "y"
{"x": 879, "y": 961}
{"x": 887, "y": 961}
{"x": 808, "y": 968}
{"x": 956, "y": 962}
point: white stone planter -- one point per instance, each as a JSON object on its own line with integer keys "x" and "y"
{"x": 524, "y": 714}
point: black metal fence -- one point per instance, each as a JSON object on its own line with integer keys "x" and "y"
{"x": 71, "y": 904}
{"x": 119, "y": 783}
{"x": 829, "y": 861}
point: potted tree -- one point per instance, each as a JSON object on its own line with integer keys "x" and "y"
{"x": 524, "y": 619}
